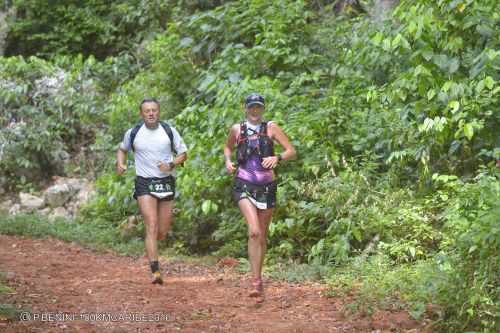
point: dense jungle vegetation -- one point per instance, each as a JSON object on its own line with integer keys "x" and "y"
{"x": 395, "y": 117}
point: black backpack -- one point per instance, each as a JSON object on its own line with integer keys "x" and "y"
{"x": 265, "y": 148}
{"x": 165, "y": 126}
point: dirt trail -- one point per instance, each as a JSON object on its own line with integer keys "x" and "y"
{"x": 50, "y": 277}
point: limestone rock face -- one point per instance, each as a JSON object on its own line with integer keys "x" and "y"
{"x": 64, "y": 198}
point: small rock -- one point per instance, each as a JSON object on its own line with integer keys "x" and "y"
{"x": 81, "y": 192}
{"x": 71, "y": 207}
{"x": 59, "y": 212}
{"x": 85, "y": 193}
{"x": 46, "y": 211}
{"x": 14, "y": 210}
{"x": 6, "y": 205}
{"x": 30, "y": 203}
{"x": 76, "y": 183}
{"x": 58, "y": 195}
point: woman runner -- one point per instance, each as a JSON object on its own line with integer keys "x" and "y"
{"x": 254, "y": 187}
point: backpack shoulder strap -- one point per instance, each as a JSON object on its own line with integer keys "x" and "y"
{"x": 133, "y": 134}
{"x": 243, "y": 131}
{"x": 170, "y": 134}
{"x": 263, "y": 129}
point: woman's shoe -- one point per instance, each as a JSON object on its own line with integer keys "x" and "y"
{"x": 257, "y": 288}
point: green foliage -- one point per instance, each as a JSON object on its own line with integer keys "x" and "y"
{"x": 114, "y": 201}
{"x": 449, "y": 69}
{"x": 93, "y": 27}
{"x": 460, "y": 282}
{"x": 378, "y": 284}
{"x": 471, "y": 264}
{"x": 48, "y": 111}
{"x": 296, "y": 273}
{"x": 51, "y": 112}
{"x": 395, "y": 123}
{"x": 169, "y": 78}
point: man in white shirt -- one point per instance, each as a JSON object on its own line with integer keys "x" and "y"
{"x": 154, "y": 144}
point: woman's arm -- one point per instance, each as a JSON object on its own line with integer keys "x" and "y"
{"x": 276, "y": 133}
{"x": 228, "y": 147}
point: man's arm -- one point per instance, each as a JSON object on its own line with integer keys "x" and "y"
{"x": 179, "y": 159}
{"x": 181, "y": 156}
{"x": 121, "y": 161}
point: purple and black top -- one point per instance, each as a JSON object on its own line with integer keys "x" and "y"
{"x": 253, "y": 171}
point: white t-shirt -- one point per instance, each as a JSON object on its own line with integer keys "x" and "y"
{"x": 152, "y": 146}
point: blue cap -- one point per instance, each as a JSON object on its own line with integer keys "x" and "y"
{"x": 254, "y": 99}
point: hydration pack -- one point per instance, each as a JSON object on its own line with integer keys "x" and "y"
{"x": 264, "y": 148}
{"x": 165, "y": 126}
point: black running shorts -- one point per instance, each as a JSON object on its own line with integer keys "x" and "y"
{"x": 261, "y": 196}
{"x": 165, "y": 187}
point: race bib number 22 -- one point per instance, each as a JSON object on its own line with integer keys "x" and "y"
{"x": 160, "y": 188}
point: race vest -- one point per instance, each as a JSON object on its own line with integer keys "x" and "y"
{"x": 264, "y": 148}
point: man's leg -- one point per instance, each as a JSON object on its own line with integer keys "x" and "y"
{"x": 149, "y": 210}
{"x": 164, "y": 218}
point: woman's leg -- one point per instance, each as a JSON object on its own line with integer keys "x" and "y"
{"x": 255, "y": 236}
{"x": 265, "y": 216}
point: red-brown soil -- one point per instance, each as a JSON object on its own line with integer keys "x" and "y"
{"x": 50, "y": 277}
